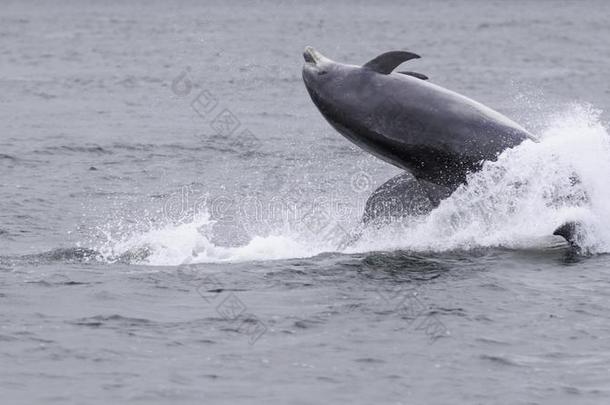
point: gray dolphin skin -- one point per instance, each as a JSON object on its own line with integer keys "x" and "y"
{"x": 436, "y": 135}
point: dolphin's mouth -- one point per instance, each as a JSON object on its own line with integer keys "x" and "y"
{"x": 315, "y": 66}
{"x": 310, "y": 55}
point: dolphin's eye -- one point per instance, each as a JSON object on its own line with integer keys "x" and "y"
{"x": 322, "y": 72}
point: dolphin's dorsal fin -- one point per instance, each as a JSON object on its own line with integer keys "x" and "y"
{"x": 415, "y": 74}
{"x": 386, "y": 62}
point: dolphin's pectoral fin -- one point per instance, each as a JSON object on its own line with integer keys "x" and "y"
{"x": 402, "y": 196}
{"x": 573, "y": 233}
{"x": 415, "y": 74}
{"x": 386, "y": 62}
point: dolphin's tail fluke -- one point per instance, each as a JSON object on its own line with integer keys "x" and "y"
{"x": 573, "y": 233}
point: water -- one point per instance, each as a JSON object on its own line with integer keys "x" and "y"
{"x": 146, "y": 258}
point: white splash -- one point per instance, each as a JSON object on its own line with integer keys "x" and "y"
{"x": 512, "y": 202}
{"x": 191, "y": 242}
{"x": 523, "y": 196}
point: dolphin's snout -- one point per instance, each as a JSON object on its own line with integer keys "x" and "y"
{"x": 310, "y": 55}
{"x": 316, "y": 65}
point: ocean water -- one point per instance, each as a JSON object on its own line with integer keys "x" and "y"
{"x": 177, "y": 220}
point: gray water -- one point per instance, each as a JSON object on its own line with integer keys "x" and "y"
{"x": 132, "y": 270}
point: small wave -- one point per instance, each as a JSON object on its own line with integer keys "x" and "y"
{"x": 500, "y": 360}
{"x": 4, "y": 156}
{"x": 76, "y": 254}
{"x": 93, "y": 149}
{"x": 112, "y": 321}
{"x": 243, "y": 144}
{"x": 10, "y": 161}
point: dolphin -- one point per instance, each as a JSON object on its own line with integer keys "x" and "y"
{"x": 435, "y": 135}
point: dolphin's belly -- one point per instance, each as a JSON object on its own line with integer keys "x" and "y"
{"x": 426, "y": 161}
{"x": 437, "y": 134}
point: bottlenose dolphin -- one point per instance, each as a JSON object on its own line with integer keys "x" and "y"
{"x": 436, "y": 135}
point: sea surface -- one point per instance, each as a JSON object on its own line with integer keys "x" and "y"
{"x": 178, "y": 223}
